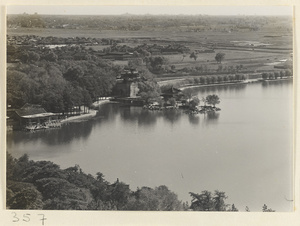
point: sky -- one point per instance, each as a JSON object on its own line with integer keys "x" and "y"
{"x": 155, "y": 10}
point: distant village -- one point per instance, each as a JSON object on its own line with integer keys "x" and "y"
{"x": 113, "y": 51}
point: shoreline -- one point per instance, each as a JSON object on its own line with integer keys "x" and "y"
{"x": 100, "y": 102}
{"x": 217, "y": 84}
{"x": 92, "y": 113}
{"x": 247, "y": 81}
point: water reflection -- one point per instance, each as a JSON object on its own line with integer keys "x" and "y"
{"x": 147, "y": 118}
{"x": 67, "y": 133}
{"x": 211, "y": 117}
{"x": 137, "y": 114}
{"x": 277, "y": 83}
{"x": 194, "y": 119}
{"x": 144, "y": 117}
{"x": 123, "y": 141}
{"x": 172, "y": 115}
{"x": 108, "y": 111}
{"x": 82, "y": 129}
{"x": 221, "y": 88}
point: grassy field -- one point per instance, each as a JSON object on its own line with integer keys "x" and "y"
{"x": 282, "y": 39}
{"x": 276, "y": 38}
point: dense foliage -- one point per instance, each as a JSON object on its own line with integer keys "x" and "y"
{"x": 43, "y": 185}
{"x": 49, "y": 78}
{"x": 206, "y": 201}
{"x": 220, "y": 57}
{"x": 274, "y": 75}
{"x": 213, "y": 99}
{"x": 128, "y": 22}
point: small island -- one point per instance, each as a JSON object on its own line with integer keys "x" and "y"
{"x": 174, "y": 98}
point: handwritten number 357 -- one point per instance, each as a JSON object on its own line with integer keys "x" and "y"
{"x": 26, "y": 217}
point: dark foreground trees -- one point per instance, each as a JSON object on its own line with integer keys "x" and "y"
{"x": 206, "y": 201}
{"x": 158, "y": 199}
{"x": 43, "y": 185}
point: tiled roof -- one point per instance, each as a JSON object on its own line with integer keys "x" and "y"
{"x": 30, "y": 109}
{"x": 173, "y": 90}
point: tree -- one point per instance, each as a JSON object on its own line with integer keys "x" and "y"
{"x": 149, "y": 90}
{"x": 87, "y": 100}
{"x": 233, "y": 208}
{"x": 265, "y": 209}
{"x": 264, "y": 75}
{"x": 209, "y": 80}
{"x": 172, "y": 101}
{"x": 155, "y": 64}
{"x": 16, "y": 96}
{"x": 219, "y": 200}
{"x": 194, "y": 102}
{"x": 213, "y": 79}
{"x": 158, "y": 199}
{"x": 100, "y": 177}
{"x": 282, "y": 74}
{"x": 51, "y": 56}
{"x": 24, "y": 196}
{"x": 220, "y": 68}
{"x": 220, "y": 79}
{"x": 135, "y": 63}
{"x": 213, "y": 99}
{"x": 136, "y": 54}
{"x": 271, "y": 75}
{"x": 119, "y": 195}
{"x": 237, "y": 77}
{"x": 219, "y": 57}
{"x": 202, "y": 80}
{"x": 73, "y": 73}
{"x": 288, "y": 73}
{"x": 194, "y": 56}
{"x": 33, "y": 57}
{"x": 206, "y": 201}
{"x": 196, "y": 80}
{"x": 188, "y": 93}
{"x": 203, "y": 99}
{"x": 225, "y": 78}
{"x": 53, "y": 101}
{"x": 24, "y": 56}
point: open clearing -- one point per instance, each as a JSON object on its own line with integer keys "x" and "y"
{"x": 256, "y": 58}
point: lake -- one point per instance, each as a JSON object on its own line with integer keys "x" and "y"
{"x": 245, "y": 150}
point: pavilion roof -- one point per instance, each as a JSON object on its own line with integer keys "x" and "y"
{"x": 172, "y": 91}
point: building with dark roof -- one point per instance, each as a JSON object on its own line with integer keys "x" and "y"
{"x": 32, "y": 116}
{"x": 172, "y": 92}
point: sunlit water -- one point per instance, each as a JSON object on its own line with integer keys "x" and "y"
{"x": 244, "y": 150}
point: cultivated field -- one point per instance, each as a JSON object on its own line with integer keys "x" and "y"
{"x": 240, "y": 47}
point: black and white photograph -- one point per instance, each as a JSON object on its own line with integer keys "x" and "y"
{"x": 150, "y": 108}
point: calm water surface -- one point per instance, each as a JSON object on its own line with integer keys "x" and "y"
{"x": 244, "y": 150}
